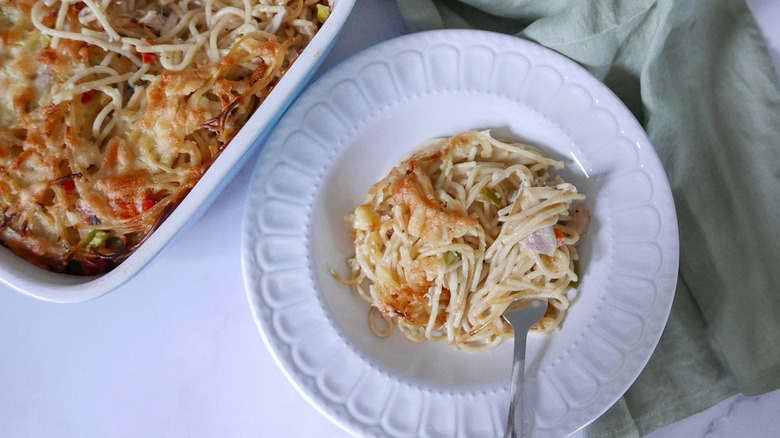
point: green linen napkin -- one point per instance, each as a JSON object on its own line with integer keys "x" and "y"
{"x": 698, "y": 75}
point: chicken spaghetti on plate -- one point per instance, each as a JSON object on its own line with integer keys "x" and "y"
{"x": 459, "y": 232}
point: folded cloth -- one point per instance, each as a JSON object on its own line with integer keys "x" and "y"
{"x": 699, "y": 77}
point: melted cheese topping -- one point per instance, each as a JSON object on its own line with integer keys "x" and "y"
{"x": 111, "y": 112}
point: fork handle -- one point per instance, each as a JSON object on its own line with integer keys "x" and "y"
{"x": 514, "y": 423}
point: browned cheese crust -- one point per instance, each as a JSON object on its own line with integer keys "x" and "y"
{"x": 87, "y": 175}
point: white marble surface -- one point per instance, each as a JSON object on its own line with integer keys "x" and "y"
{"x": 175, "y": 351}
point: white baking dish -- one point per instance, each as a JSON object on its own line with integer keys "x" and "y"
{"x": 22, "y": 275}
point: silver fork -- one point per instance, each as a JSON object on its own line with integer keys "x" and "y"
{"x": 522, "y": 320}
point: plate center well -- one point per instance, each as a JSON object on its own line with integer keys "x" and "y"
{"x": 366, "y": 158}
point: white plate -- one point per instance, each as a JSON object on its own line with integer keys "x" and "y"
{"x": 39, "y": 283}
{"x": 347, "y": 130}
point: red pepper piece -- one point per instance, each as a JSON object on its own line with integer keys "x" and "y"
{"x": 148, "y": 203}
{"x": 87, "y": 96}
{"x": 559, "y": 237}
{"x": 69, "y": 186}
